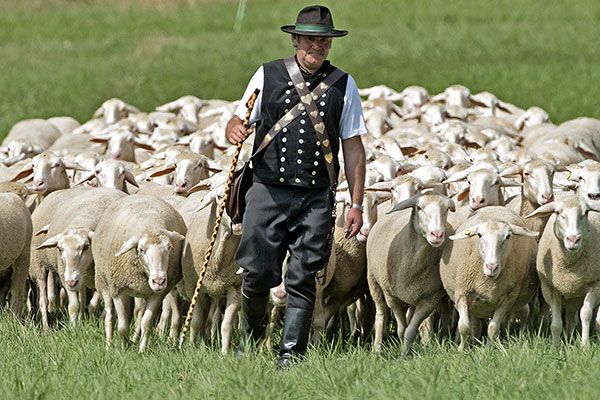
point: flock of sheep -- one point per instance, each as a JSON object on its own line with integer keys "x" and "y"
{"x": 471, "y": 206}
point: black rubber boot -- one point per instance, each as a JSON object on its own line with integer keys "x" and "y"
{"x": 254, "y": 323}
{"x": 294, "y": 339}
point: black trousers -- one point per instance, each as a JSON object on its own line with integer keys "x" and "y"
{"x": 279, "y": 219}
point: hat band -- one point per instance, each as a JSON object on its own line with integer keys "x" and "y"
{"x": 313, "y": 28}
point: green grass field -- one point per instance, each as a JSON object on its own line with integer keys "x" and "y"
{"x": 60, "y": 57}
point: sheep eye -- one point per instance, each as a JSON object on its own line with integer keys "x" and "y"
{"x": 479, "y": 234}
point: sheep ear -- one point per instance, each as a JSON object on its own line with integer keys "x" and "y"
{"x": 206, "y": 201}
{"x": 502, "y": 106}
{"x": 198, "y": 187}
{"x": 475, "y": 102}
{"x": 467, "y": 233}
{"x": 130, "y": 178}
{"x": 128, "y": 245}
{"x": 73, "y": 166}
{"x": 162, "y": 172}
{"x": 42, "y": 231}
{"x": 144, "y": 146}
{"x": 458, "y": 176}
{"x": 88, "y": 177}
{"x": 99, "y": 112}
{"x": 52, "y": 242}
{"x": 463, "y": 195}
{"x": 409, "y": 150}
{"x": 509, "y": 182}
{"x": 403, "y": 205}
{"x": 98, "y": 140}
{"x": 26, "y": 171}
{"x": 518, "y": 230}
{"x": 509, "y": 170}
{"x": 543, "y": 211}
{"x": 174, "y": 236}
{"x": 380, "y": 187}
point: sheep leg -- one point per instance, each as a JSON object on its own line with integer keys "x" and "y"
{"x": 94, "y": 302}
{"x": 175, "y": 319}
{"x": 18, "y": 282}
{"x": 216, "y": 319}
{"x": 231, "y": 308}
{"x": 422, "y": 311}
{"x": 165, "y": 315}
{"x": 82, "y": 296}
{"x": 493, "y": 329}
{"x": 426, "y": 329}
{"x": 43, "y": 301}
{"x": 52, "y": 307}
{"x": 152, "y": 305}
{"x": 108, "y": 318}
{"x": 199, "y": 317}
{"x": 400, "y": 315}
{"x": 121, "y": 303}
{"x": 138, "y": 310}
{"x": 464, "y": 322}
{"x": 351, "y": 311}
{"x": 73, "y": 307}
{"x": 586, "y": 313}
{"x": 555, "y": 302}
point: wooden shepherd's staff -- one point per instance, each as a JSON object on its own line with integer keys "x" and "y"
{"x": 213, "y": 239}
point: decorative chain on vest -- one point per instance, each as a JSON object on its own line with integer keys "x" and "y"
{"x": 299, "y": 108}
{"x": 307, "y": 100}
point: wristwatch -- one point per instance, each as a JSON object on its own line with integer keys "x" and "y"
{"x": 356, "y": 205}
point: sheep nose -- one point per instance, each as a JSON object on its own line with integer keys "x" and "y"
{"x": 573, "y": 239}
{"x": 491, "y": 268}
{"x": 159, "y": 281}
{"x": 437, "y": 234}
{"x": 72, "y": 283}
{"x": 547, "y": 197}
{"x": 478, "y": 200}
{"x": 594, "y": 196}
{"x": 116, "y": 155}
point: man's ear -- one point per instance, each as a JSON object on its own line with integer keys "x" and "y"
{"x": 295, "y": 41}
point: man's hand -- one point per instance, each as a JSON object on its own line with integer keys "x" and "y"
{"x": 353, "y": 223}
{"x": 236, "y": 133}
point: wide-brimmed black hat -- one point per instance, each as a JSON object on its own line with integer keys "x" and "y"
{"x": 314, "y": 21}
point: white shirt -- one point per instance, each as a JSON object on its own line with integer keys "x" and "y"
{"x": 352, "y": 122}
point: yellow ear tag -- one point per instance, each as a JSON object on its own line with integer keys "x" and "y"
{"x": 569, "y": 175}
{"x": 467, "y": 232}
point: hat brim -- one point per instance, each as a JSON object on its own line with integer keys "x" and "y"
{"x": 333, "y": 33}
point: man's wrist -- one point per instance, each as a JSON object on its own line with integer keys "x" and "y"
{"x": 357, "y": 206}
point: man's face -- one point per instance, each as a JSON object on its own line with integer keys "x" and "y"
{"x": 312, "y": 51}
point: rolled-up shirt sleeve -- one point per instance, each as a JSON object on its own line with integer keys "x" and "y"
{"x": 256, "y": 82}
{"x": 352, "y": 122}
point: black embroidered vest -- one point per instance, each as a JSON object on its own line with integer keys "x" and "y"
{"x": 294, "y": 157}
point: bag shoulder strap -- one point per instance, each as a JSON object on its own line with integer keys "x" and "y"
{"x": 307, "y": 99}
{"x": 299, "y": 109}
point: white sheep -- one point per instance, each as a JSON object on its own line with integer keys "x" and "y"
{"x": 112, "y": 110}
{"x": 403, "y": 253}
{"x": 15, "y": 231}
{"x": 37, "y": 132}
{"x": 492, "y": 275}
{"x": 137, "y": 252}
{"x": 567, "y": 263}
{"x": 71, "y": 231}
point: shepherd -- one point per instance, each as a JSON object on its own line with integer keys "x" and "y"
{"x": 305, "y": 108}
